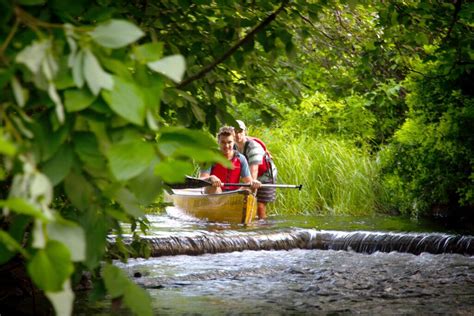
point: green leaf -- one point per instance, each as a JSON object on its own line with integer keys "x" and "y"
{"x": 71, "y": 235}
{"x": 198, "y": 112}
{"x": 57, "y": 168}
{"x": 138, "y": 300}
{"x": 87, "y": 148}
{"x": 129, "y": 159}
{"x": 78, "y": 190}
{"x": 33, "y": 55}
{"x": 95, "y": 76}
{"x": 54, "y": 96}
{"x": 116, "y": 33}
{"x": 77, "y": 61}
{"x": 116, "y": 282}
{"x": 201, "y": 155}
{"x": 117, "y": 67}
{"x": 21, "y": 95}
{"x": 95, "y": 224}
{"x": 16, "y": 230}
{"x": 76, "y": 100}
{"x": 173, "y": 171}
{"x": 51, "y": 267}
{"x": 186, "y": 136}
{"x": 146, "y": 186}
{"x": 6, "y": 147}
{"x": 127, "y": 100}
{"x": 148, "y": 52}
{"x": 171, "y": 66}
{"x": 20, "y": 206}
{"x": 11, "y": 244}
{"x": 129, "y": 202}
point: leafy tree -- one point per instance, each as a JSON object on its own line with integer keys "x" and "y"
{"x": 429, "y": 163}
{"x": 82, "y": 145}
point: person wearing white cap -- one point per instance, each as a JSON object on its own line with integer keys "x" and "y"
{"x": 260, "y": 163}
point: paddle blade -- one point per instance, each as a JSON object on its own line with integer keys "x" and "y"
{"x": 190, "y": 183}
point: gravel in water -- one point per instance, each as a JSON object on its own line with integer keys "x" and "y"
{"x": 308, "y": 282}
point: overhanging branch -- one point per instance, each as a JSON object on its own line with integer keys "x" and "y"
{"x": 231, "y": 50}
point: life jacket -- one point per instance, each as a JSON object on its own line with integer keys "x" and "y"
{"x": 266, "y": 160}
{"x": 227, "y": 175}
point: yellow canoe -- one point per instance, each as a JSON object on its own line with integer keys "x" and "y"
{"x": 238, "y": 207}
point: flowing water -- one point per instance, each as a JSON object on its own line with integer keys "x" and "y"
{"x": 304, "y": 265}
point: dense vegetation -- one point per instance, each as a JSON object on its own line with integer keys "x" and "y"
{"x": 103, "y": 101}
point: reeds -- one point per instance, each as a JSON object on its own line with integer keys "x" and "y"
{"x": 337, "y": 177}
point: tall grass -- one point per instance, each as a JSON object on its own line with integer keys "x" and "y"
{"x": 337, "y": 177}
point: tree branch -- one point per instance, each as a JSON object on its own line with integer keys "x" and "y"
{"x": 457, "y": 8}
{"x": 231, "y": 50}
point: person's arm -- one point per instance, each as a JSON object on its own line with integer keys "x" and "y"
{"x": 206, "y": 175}
{"x": 254, "y": 153}
{"x": 253, "y": 171}
{"x": 246, "y": 176}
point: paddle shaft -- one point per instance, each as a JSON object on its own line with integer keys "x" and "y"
{"x": 192, "y": 182}
{"x": 265, "y": 185}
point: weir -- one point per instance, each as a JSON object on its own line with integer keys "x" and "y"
{"x": 359, "y": 241}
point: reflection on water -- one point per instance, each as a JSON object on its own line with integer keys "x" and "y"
{"x": 300, "y": 281}
{"x": 163, "y": 223}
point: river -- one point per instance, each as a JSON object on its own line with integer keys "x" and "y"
{"x": 358, "y": 280}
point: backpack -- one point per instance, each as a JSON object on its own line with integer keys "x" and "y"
{"x": 266, "y": 160}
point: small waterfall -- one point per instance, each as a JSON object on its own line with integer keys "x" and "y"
{"x": 358, "y": 241}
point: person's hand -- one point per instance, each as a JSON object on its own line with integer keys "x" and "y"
{"x": 215, "y": 181}
{"x": 255, "y": 184}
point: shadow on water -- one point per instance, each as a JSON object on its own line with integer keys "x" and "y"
{"x": 304, "y": 265}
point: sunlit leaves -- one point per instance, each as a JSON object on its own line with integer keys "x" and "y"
{"x": 11, "y": 244}
{"x": 40, "y": 60}
{"x": 20, "y": 206}
{"x": 51, "y": 267}
{"x": 171, "y": 66}
{"x": 95, "y": 76}
{"x": 127, "y": 100}
{"x": 33, "y": 56}
{"x": 116, "y": 33}
{"x": 71, "y": 235}
{"x": 6, "y": 147}
{"x": 62, "y": 301}
{"x": 19, "y": 93}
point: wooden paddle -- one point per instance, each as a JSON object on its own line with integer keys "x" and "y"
{"x": 194, "y": 183}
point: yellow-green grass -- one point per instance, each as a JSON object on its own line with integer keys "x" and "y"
{"x": 337, "y": 177}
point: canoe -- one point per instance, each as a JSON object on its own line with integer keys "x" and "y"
{"x": 238, "y": 207}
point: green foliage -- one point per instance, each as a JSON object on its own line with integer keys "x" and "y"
{"x": 89, "y": 90}
{"x": 79, "y": 153}
{"x": 429, "y": 163}
{"x": 318, "y": 116}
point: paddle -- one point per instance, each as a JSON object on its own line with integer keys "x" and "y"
{"x": 194, "y": 183}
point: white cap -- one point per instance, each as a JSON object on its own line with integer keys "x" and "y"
{"x": 241, "y": 125}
